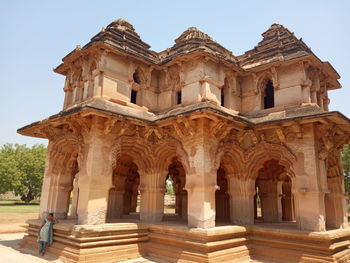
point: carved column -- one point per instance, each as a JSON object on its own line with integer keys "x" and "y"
{"x": 120, "y": 203}
{"x": 313, "y": 96}
{"x": 201, "y": 177}
{"x": 111, "y": 203}
{"x": 62, "y": 184}
{"x": 287, "y": 202}
{"x": 115, "y": 203}
{"x": 97, "y": 83}
{"x": 310, "y": 188}
{"x": 60, "y": 201}
{"x": 336, "y": 210}
{"x": 75, "y": 198}
{"x": 184, "y": 204}
{"x": 279, "y": 191}
{"x": 46, "y": 192}
{"x": 306, "y": 87}
{"x": 320, "y": 102}
{"x": 152, "y": 188}
{"x": 134, "y": 198}
{"x": 47, "y": 182}
{"x": 95, "y": 177}
{"x": 311, "y": 214}
{"x": 326, "y": 102}
{"x": 242, "y": 199}
{"x": 269, "y": 200}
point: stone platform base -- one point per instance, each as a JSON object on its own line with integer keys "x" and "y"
{"x": 88, "y": 243}
{"x": 283, "y": 244}
{"x": 172, "y": 242}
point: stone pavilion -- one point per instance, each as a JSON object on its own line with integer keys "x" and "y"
{"x": 248, "y": 142}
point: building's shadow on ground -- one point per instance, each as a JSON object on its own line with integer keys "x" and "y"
{"x": 10, "y": 243}
{"x": 15, "y": 245}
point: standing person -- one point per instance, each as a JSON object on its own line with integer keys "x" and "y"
{"x": 45, "y": 234}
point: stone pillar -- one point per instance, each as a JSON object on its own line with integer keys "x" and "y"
{"x": 98, "y": 80}
{"x": 287, "y": 202}
{"x": 75, "y": 198}
{"x": 75, "y": 95}
{"x": 313, "y": 97}
{"x": 119, "y": 200}
{"x": 119, "y": 203}
{"x": 242, "y": 194}
{"x": 320, "y": 103}
{"x": 111, "y": 203}
{"x": 152, "y": 188}
{"x": 126, "y": 205}
{"x": 184, "y": 204}
{"x": 60, "y": 202}
{"x": 47, "y": 183}
{"x": 92, "y": 207}
{"x": 115, "y": 203}
{"x": 326, "y": 104}
{"x": 66, "y": 98}
{"x": 279, "y": 201}
{"x": 336, "y": 212}
{"x": 178, "y": 202}
{"x": 201, "y": 202}
{"x": 201, "y": 177}
{"x": 45, "y": 196}
{"x": 134, "y": 200}
{"x": 269, "y": 200}
{"x": 310, "y": 183}
{"x": 95, "y": 175}
{"x": 311, "y": 210}
{"x": 306, "y": 94}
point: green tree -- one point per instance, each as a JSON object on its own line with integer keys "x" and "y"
{"x": 22, "y": 170}
{"x": 346, "y": 167}
{"x": 169, "y": 183}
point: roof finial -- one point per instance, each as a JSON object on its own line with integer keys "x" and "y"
{"x": 193, "y": 33}
{"x": 122, "y": 24}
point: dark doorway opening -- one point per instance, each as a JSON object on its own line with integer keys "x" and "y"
{"x": 179, "y": 97}
{"x": 269, "y": 96}
{"x": 222, "y": 97}
{"x": 133, "y": 96}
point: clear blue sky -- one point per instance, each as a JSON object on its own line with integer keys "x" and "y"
{"x": 35, "y": 35}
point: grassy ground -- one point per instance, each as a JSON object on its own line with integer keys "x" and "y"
{"x": 18, "y": 207}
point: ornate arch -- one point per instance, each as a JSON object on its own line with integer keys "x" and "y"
{"x": 263, "y": 80}
{"x": 231, "y": 157}
{"x": 266, "y": 76}
{"x": 264, "y": 151}
{"x": 167, "y": 150}
{"x": 64, "y": 150}
{"x": 138, "y": 149}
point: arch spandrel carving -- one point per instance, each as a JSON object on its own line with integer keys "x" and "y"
{"x": 148, "y": 154}
{"x": 242, "y": 152}
{"x": 130, "y": 145}
{"x": 63, "y": 147}
{"x": 264, "y": 151}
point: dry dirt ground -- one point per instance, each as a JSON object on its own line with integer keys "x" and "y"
{"x": 14, "y": 222}
{"x": 11, "y": 253}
